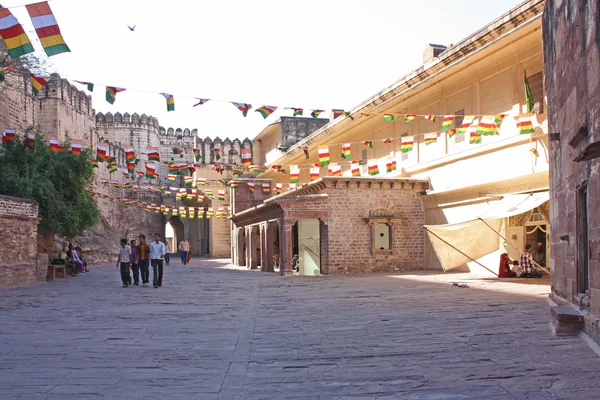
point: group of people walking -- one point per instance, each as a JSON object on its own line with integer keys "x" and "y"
{"x": 138, "y": 257}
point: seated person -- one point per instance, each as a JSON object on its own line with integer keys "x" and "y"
{"x": 504, "y": 270}
{"x": 80, "y": 254}
{"x": 528, "y": 269}
{"x": 71, "y": 262}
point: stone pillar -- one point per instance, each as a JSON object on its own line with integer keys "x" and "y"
{"x": 285, "y": 237}
{"x": 241, "y": 244}
{"x": 267, "y": 248}
{"x": 263, "y": 247}
{"x": 251, "y": 261}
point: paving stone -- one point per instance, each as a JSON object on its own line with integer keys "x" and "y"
{"x": 227, "y": 333}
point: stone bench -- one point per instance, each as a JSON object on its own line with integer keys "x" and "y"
{"x": 52, "y": 268}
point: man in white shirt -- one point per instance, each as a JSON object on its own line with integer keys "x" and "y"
{"x": 124, "y": 261}
{"x": 157, "y": 254}
{"x": 184, "y": 248}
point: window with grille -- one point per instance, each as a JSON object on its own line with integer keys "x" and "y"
{"x": 458, "y": 120}
{"x": 536, "y": 83}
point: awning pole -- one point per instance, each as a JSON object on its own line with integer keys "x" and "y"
{"x": 480, "y": 264}
{"x": 515, "y": 247}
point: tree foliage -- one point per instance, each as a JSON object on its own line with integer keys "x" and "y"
{"x": 57, "y": 181}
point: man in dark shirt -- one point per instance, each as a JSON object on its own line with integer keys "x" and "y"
{"x": 143, "y": 254}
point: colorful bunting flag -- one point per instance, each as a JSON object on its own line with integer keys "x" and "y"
{"x": 315, "y": 173}
{"x": 294, "y": 174}
{"x": 447, "y": 123}
{"x": 355, "y": 168}
{"x": 334, "y": 170}
{"x": 111, "y": 93}
{"x": 373, "y": 167}
{"x": 266, "y": 188}
{"x": 499, "y": 118}
{"x": 278, "y": 168}
{"x": 407, "y": 144}
{"x": 76, "y": 147}
{"x": 305, "y": 150}
{"x": 278, "y": 188}
{"x": 467, "y": 121}
{"x": 183, "y": 193}
{"x": 243, "y": 107}
{"x": 297, "y": 111}
{"x": 265, "y": 111}
{"x": 525, "y": 125}
{"x": 209, "y": 193}
{"x": 170, "y": 101}
{"x": 251, "y": 187}
{"x": 346, "y": 147}
{"x": 409, "y": 117}
{"x": 177, "y": 150}
{"x": 153, "y": 153}
{"x": 38, "y": 82}
{"x": 188, "y": 180}
{"x": 53, "y": 141}
{"x": 246, "y": 157}
{"x": 89, "y": 85}
{"x": 16, "y": 40}
{"x": 47, "y": 28}
{"x": 430, "y": 117}
{"x": 292, "y": 186}
{"x": 338, "y": 113}
{"x": 30, "y": 138}
{"x": 451, "y": 132}
{"x": 197, "y": 155}
{"x": 254, "y": 168}
{"x": 221, "y": 195}
{"x": 201, "y": 182}
{"x": 316, "y": 113}
{"x": 8, "y": 136}
{"x": 2, "y": 74}
{"x": 430, "y": 138}
{"x": 200, "y": 101}
{"x": 217, "y": 154}
{"x": 192, "y": 212}
{"x": 129, "y": 154}
{"x": 151, "y": 171}
{"x": 487, "y": 126}
{"x": 283, "y": 149}
{"x": 94, "y": 163}
{"x": 474, "y": 137}
{"x": 323, "y": 155}
{"x": 234, "y": 184}
{"x": 368, "y": 143}
{"x": 389, "y": 117}
{"x": 387, "y": 141}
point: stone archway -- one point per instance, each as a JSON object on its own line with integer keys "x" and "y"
{"x": 174, "y": 232}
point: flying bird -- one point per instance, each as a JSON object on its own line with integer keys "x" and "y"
{"x": 131, "y": 28}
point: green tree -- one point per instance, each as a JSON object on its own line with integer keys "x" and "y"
{"x": 57, "y": 181}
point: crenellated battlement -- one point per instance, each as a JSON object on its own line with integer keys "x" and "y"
{"x": 58, "y": 88}
{"x": 126, "y": 119}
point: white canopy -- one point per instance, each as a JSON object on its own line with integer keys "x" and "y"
{"x": 457, "y": 244}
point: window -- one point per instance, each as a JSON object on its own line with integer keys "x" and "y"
{"x": 536, "y": 82}
{"x": 382, "y": 236}
{"x": 458, "y": 120}
{"x": 381, "y": 223}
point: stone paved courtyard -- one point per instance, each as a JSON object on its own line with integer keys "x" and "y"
{"x": 216, "y": 332}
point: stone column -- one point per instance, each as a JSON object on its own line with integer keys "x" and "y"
{"x": 268, "y": 248}
{"x": 285, "y": 237}
{"x": 241, "y": 257}
{"x": 251, "y": 261}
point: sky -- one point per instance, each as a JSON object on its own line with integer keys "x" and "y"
{"x": 307, "y": 54}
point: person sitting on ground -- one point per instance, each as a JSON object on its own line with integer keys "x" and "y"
{"x": 528, "y": 269}
{"x": 539, "y": 254}
{"x": 504, "y": 270}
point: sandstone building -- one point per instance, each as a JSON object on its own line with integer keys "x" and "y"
{"x": 572, "y": 69}
{"x": 355, "y": 224}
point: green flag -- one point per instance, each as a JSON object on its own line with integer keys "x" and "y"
{"x": 528, "y": 94}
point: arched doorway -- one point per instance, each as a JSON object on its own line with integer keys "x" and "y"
{"x": 174, "y": 233}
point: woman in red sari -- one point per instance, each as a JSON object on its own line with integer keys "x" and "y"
{"x": 504, "y": 269}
